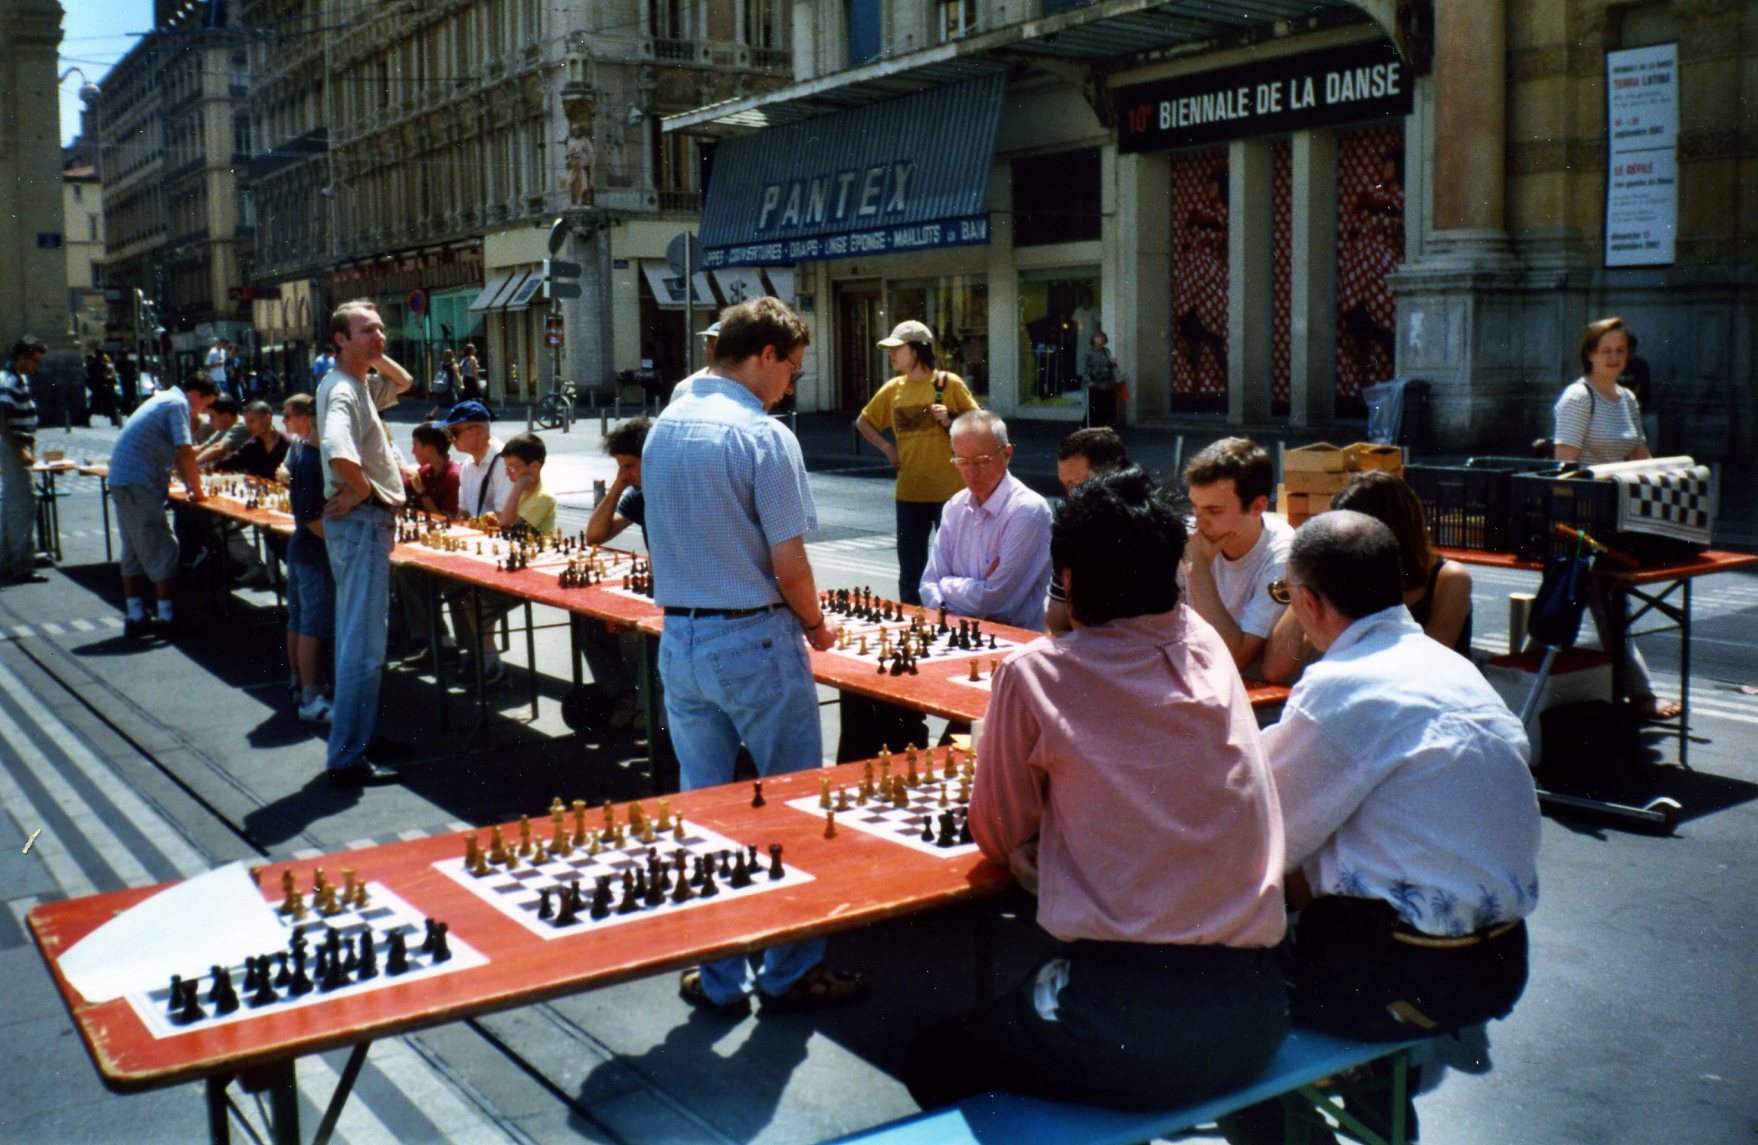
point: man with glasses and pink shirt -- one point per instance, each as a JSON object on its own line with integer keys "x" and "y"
{"x": 991, "y": 558}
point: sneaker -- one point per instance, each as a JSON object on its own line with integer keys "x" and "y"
{"x": 143, "y": 629}
{"x": 316, "y": 712}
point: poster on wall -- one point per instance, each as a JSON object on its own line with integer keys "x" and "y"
{"x": 1199, "y": 280}
{"x": 1642, "y": 164}
{"x": 1370, "y": 245}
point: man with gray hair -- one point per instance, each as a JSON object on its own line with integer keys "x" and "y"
{"x": 1411, "y": 819}
{"x": 991, "y": 558}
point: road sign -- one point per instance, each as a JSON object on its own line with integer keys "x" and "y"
{"x": 417, "y": 301}
{"x": 678, "y": 248}
{"x": 552, "y": 330}
{"x": 563, "y": 278}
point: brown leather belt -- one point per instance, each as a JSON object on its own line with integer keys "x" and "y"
{"x": 1437, "y": 942}
{"x": 723, "y": 613}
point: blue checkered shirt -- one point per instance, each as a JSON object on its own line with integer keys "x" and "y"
{"x": 723, "y": 483}
{"x": 147, "y": 449}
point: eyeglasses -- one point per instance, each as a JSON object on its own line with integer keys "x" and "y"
{"x": 1281, "y": 590}
{"x": 980, "y": 461}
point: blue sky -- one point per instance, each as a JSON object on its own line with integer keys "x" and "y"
{"x": 95, "y": 34}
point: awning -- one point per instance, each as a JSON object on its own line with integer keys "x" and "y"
{"x": 668, "y": 288}
{"x": 497, "y": 286}
{"x": 781, "y": 282}
{"x": 904, "y": 175}
{"x": 738, "y": 286}
{"x": 521, "y": 296}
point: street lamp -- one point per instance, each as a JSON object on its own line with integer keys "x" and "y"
{"x": 88, "y": 91}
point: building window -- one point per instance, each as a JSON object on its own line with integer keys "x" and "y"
{"x": 1058, "y": 315}
{"x": 956, "y": 17}
{"x": 763, "y": 24}
{"x": 78, "y": 192}
{"x": 957, "y": 310}
{"x": 1056, "y": 198}
{"x": 863, "y": 31}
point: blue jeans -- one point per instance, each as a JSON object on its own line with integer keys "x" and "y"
{"x": 728, "y": 681}
{"x": 360, "y": 558}
{"x": 18, "y": 516}
{"x": 915, "y": 524}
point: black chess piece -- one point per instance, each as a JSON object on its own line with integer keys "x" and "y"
{"x": 927, "y": 829}
{"x": 427, "y": 938}
{"x": 191, "y": 1010}
{"x": 776, "y": 870}
{"x": 250, "y": 974}
{"x": 544, "y": 909}
{"x": 283, "y": 976}
{"x": 176, "y": 998}
{"x": 368, "y": 957}
{"x": 442, "y": 952}
{"x": 948, "y": 830}
{"x": 757, "y": 793}
{"x": 397, "y": 958}
{"x": 567, "y": 914}
{"x": 655, "y": 891}
{"x": 263, "y": 993}
{"x": 224, "y": 995}
{"x": 601, "y": 898}
{"x": 332, "y": 976}
{"x": 709, "y": 888}
{"x": 680, "y": 891}
{"x": 350, "y": 957}
{"x": 629, "y": 904}
{"x": 964, "y": 829}
{"x": 741, "y": 873}
{"x": 300, "y": 984}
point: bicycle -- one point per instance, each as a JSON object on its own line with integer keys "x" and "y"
{"x": 557, "y": 407}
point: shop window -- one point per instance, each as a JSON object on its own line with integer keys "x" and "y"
{"x": 863, "y": 31}
{"x": 1370, "y": 245}
{"x": 1199, "y": 281}
{"x": 1058, "y": 315}
{"x": 1056, "y": 198}
{"x": 957, "y": 310}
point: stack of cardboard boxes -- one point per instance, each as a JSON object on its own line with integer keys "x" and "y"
{"x": 1313, "y": 474}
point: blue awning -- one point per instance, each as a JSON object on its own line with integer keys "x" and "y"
{"x": 908, "y": 174}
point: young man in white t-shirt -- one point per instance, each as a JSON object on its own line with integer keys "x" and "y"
{"x": 1237, "y": 548}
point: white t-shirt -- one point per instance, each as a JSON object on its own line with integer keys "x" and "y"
{"x": 1243, "y": 585}
{"x": 216, "y": 364}
{"x": 474, "y": 498}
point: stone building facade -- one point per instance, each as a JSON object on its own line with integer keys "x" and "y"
{"x": 33, "y": 273}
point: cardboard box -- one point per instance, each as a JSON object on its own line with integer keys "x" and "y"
{"x": 1315, "y": 481}
{"x": 1322, "y": 457}
{"x": 1365, "y": 455}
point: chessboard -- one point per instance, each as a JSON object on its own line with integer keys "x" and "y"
{"x": 896, "y": 638}
{"x": 926, "y": 808}
{"x": 380, "y": 941}
{"x": 582, "y": 879}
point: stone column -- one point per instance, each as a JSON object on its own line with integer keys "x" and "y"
{"x": 1312, "y": 309}
{"x": 1142, "y": 334}
{"x": 1470, "y": 126}
{"x": 1252, "y": 170}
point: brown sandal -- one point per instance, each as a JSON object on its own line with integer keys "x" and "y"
{"x": 690, "y": 990}
{"x": 817, "y": 988}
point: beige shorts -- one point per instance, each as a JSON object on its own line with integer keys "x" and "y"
{"x": 148, "y": 545}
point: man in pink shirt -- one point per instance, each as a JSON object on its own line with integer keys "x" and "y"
{"x": 1121, "y": 778}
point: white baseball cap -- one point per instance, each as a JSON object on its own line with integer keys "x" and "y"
{"x": 713, "y": 331}
{"x": 910, "y": 331}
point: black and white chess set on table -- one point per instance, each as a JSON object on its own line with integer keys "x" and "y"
{"x": 896, "y": 637}
{"x": 925, "y": 807}
{"x": 584, "y": 878}
{"x": 348, "y": 940}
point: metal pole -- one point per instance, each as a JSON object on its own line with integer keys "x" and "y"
{"x": 689, "y": 310}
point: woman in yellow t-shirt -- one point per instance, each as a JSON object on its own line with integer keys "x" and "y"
{"x": 917, "y": 407}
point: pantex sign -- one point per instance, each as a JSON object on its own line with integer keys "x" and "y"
{"x": 1342, "y": 85}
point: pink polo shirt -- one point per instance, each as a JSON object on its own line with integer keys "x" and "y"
{"x": 1120, "y": 772}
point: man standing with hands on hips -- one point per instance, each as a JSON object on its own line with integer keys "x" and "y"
{"x": 728, "y": 509}
{"x": 363, "y": 481}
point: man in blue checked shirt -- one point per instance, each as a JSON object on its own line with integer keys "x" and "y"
{"x": 728, "y": 509}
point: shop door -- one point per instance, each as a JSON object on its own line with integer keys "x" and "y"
{"x": 858, "y": 358}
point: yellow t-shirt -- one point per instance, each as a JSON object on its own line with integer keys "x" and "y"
{"x": 537, "y": 509}
{"x": 924, "y": 446}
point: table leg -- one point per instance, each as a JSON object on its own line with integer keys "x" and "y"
{"x": 430, "y": 587}
{"x": 1617, "y": 641}
{"x": 662, "y": 760}
{"x": 1685, "y": 679}
{"x": 104, "y": 500}
{"x": 219, "y": 1111}
{"x": 344, "y": 1086}
{"x": 284, "y": 1106}
{"x": 476, "y": 659}
{"x": 531, "y": 658}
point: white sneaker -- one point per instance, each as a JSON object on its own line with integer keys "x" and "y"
{"x": 316, "y": 712}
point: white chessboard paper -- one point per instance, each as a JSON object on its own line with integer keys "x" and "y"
{"x": 220, "y": 913}
{"x": 896, "y": 824}
{"x": 515, "y": 892}
{"x": 384, "y": 913}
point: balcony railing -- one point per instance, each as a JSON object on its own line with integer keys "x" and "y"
{"x": 690, "y": 201}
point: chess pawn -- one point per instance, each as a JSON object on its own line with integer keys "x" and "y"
{"x": 943, "y": 800}
{"x": 824, "y": 791}
{"x": 472, "y": 852}
{"x": 579, "y": 822}
{"x": 497, "y": 848}
{"x": 830, "y": 824}
{"x": 349, "y": 886}
{"x": 677, "y": 829}
{"x": 951, "y": 771}
{"x": 974, "y": 674}
{"x": 291, "y": 903}
{"x": 318, "y": 881}
{"x": 358, "y": 900}
{"x": 842, "y": 799}
{"x": 559, "y": 845}
{"x": 524, "y": 836}
{"x": 910, "y": 759}
{"x": 862, "y": 650}
{"x": 664, "y": 820}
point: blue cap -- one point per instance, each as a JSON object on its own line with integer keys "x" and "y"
{"x": 467, "y": 411}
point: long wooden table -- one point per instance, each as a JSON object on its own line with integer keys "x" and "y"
{"x": 856, "y": 878}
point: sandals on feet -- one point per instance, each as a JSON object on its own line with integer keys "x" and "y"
{"x": 1656, "y": 710}
{"x": 690, "y": 990}
{"x": 821, "y": 986}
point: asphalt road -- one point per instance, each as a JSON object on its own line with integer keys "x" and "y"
{"x": 142, "y": 766}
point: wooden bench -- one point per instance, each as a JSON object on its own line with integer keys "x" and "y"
{"x": 1305, "y": 1059}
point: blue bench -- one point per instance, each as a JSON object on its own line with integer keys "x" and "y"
{"x": 1305, "y": 1059}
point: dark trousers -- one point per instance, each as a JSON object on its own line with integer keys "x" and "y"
{"x": 1137, "y": 1026}
{"x": 916, "y": 521}
{"x": 1349, "y": 976}
{"x": 1102, "y": 405}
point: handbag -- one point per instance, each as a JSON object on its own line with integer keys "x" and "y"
{"x": 1555, "y": 619}
{"x": 1122, "y": 391}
